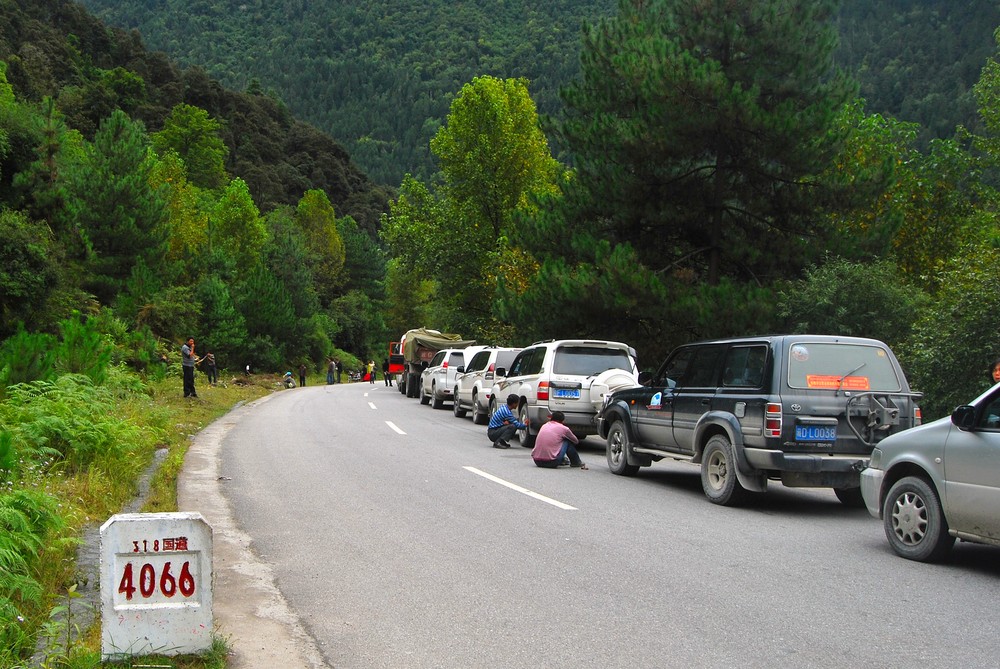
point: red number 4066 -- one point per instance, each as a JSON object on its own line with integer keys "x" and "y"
{"x": 168, "y": 584}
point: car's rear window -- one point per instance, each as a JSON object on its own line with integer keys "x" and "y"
{"x": 848, "y": 367}
{"x": 588, "y": 360}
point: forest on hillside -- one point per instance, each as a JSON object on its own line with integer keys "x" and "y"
{"x": 379, "y": 76}
{"x": 727, "y": 178}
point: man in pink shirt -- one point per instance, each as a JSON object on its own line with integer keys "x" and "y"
{"x": 554, "y": 442}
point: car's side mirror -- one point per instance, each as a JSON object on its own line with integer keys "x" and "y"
{"x": 645, "y": 378}
{"x": 460, "y": 369}
{"x": 964, "y": 417}
{"x": 500, "y": 371}
{"x": 423, "y": 364}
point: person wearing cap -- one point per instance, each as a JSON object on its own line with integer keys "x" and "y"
{"x": 555, "y": 442}
{"x": 504, "y": 424}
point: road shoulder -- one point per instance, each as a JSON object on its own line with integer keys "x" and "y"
{"x": 249, "y": 610}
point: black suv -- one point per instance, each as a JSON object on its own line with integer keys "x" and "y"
{"x": 805, "y": 410}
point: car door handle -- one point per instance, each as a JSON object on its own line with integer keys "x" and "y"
{"x": 706, "y": 402}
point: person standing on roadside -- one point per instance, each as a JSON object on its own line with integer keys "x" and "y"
{"x": 302, "y": 375}
{"x": 188, "y": 360}
{"x": 555, "y": 442}
{"x": 331, "y": 370}
{"x": 385, "y": 373}
{"x": 210, "y": 369}
{"x": 371, "y": 371}
{"x": 340, "y": 370}
{"x": 504, "y": 424}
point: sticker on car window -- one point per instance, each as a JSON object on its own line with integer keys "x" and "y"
{"x": 834, "y": 382}
{"x": 800, "y": 353}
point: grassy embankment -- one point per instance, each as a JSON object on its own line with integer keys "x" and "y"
{"x": 92, "y": 445}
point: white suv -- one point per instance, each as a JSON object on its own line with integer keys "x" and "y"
{"x": 569, "y": 375}
{"x": 474, "y": 385}
{"x": 438, "y": 379}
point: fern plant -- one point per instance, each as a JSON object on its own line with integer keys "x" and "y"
{"x": 26, "y": 519}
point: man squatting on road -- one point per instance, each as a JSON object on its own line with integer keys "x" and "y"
{"x": 503, "y": 424}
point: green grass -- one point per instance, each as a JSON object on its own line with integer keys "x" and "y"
{"x": 88, "y": 447}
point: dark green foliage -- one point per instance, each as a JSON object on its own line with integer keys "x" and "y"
{"x": 954, "y": 340}
{"x": 698, "y": 129}
{"x": 110, "y": 196}
{"x": 27, "y": 356}
{"x": 269, "y": 314}
{"x": 364, "y": 261}
{"x": 917, "y": 61}
{"x": 26, "y": 520}
{"x": 55, "y": 48}
{"x": 378, "y": 76}
{"x": 222, "y": 330}
{"x": 82, "y": 350}
{"x": 361, "y": 327}
{"x": 28, "y": 270}
{"x": 852, "y": 299}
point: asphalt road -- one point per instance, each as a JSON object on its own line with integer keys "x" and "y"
{"x": 398, "y": 538}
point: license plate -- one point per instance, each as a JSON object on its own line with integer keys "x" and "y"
{"x": 815, "y": 433}
{"x": 566, "y": 393}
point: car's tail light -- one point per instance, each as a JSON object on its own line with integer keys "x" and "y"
{"x": 543, "y": 390}
{"x": 444, "y": 365}
{"x": 772, "y": 420}
{"x": 918, "y": 416}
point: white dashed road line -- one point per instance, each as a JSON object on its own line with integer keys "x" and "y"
{"x": 394, "y": 428}
{"x": 525, "y": 491}
{"x": 372, "y": 405}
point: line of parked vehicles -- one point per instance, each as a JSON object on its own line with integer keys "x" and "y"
{"x": 803, "y": 410}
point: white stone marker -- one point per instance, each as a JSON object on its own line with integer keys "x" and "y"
{"x": 156, "y": 585}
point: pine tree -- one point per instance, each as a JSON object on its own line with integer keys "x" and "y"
{"x": 699, "y": 127}
{"x": 110, "y": 197}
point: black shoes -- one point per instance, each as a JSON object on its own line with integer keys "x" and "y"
{"x": 500, "y": 443}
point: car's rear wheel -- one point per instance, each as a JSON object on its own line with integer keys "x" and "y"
{"x": 479, "y": 417}
{"x": 436, "y": 402}
{"x": 618, "y": 448}
{"x": 850, "y": 497}
{"x": 718, "y": 473}
{"x": 456, "y": 406}
{"x": 424, "y": 397}
{"x": 524, "y": 436}
{"x": 493, "y": 408}
{"x": 914, "y": 521}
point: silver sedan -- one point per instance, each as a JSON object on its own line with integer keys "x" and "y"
{"x": 939, "y": 482}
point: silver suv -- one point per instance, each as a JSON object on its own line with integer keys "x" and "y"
{"x": 474, "y": 384}
{"x": 938, "y": 482}
{"x": 569, "y": 375}
{"x": 438, "y": 379}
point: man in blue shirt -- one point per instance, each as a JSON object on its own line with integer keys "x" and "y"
{"x": 503, "y": 424}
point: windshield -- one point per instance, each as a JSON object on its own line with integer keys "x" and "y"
{"x": 589, "y": 361}
{"x": 848, "y": 367}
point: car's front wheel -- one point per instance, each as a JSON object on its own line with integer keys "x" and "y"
{"x": 479, "y": 417}
{"x": 914, "y": 521}
{"x": 618, "y": 446}
{"x": 718, "y": 473}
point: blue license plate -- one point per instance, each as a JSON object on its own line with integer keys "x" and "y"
{"x": 566, "y": 394}
{"x": 815, "y": 433}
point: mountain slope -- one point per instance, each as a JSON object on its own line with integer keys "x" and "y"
{"x": 55, "y": 48}
{"x": 379, "y": 75}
